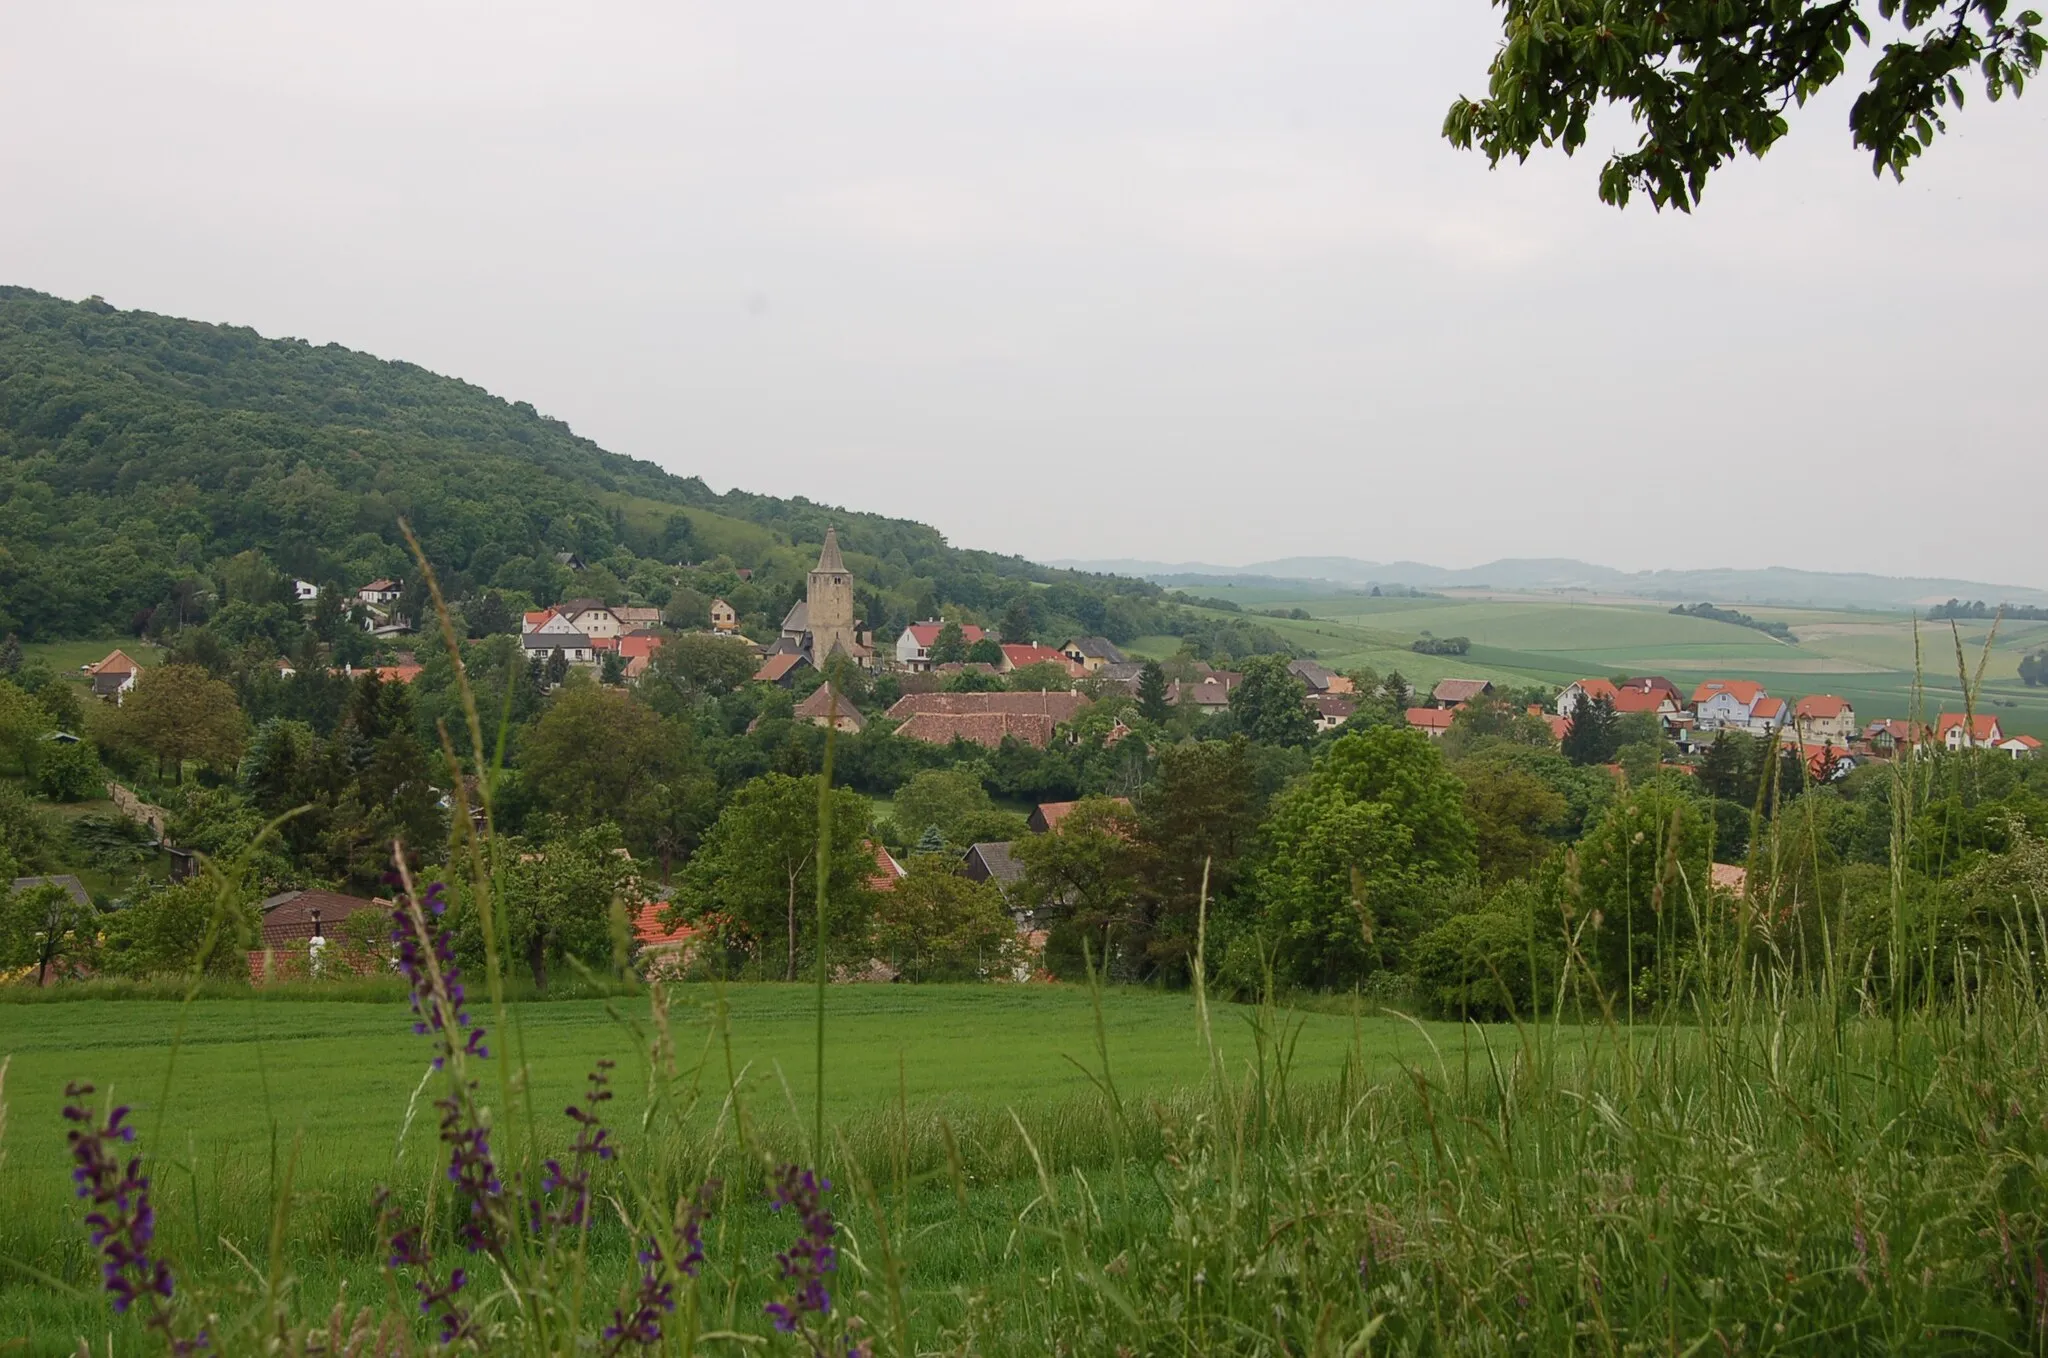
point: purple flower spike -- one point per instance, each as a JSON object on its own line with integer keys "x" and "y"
{"x": 655, "y": 1296}
{"x": 813, "y": 1255}
{"x": 122, "y": 1222}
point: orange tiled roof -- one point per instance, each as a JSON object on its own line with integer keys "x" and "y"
{"x": 650, "y": 932}
{"x": 1982, "y": 724}
{"x": 1744, "y": 691}
{"x": 928, "y": 632}
{"x": 980, "y": 728}
{"x": 1820, "y": 706}
{"x": 116, "y": 662}
{"x": 1432, "y": 718}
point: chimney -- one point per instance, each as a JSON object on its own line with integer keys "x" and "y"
{"x": 316, "y": 923}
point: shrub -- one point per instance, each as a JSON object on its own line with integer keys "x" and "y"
{"x": 70, "y": 772}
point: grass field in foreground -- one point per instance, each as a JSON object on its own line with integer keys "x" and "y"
{"x": 251, "y": 1078}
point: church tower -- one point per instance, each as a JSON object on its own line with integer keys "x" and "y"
{"x": 828, "y": 605}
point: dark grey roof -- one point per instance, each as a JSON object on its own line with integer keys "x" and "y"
{"x": 1097, "y": 648}
{"x": 993, "y": 862}
{"x": 70, "y": 884}
{"x": 554, "y": 641}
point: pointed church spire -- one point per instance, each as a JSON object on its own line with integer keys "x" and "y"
{"x": 829, "y": 559}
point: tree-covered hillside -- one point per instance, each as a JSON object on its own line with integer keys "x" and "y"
{"x": 140, "y": 453}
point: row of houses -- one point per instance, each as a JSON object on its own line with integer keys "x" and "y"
{"x": 1820, "y": 721}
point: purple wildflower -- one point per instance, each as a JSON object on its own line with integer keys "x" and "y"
{"x": 473, "y": 1172}
{"x": 813, "y": 1255}
{"x": 426, "y": 957}
{"x": 655, "y": 1296}
{"x": 408, "y": 1253}
{"x": 122, "y": 1219}
{"x": 591, "y": 1145}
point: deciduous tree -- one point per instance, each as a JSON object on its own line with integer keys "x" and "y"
{"x": 180, "y": 713}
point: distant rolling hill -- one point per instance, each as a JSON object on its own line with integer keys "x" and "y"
{"x": 1770, "y": 585}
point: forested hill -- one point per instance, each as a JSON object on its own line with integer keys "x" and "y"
{"x": 140, "y": 451}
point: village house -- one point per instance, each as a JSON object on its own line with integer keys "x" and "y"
{"x": 591, "y": 617}
{"x": 1579, "y": 691}
{"x": 1458, "y": 692}
{"x": 1046, "y": 816}
{"x": 113, "y": 676}
{"x": 1330, "y": 710}
{"x": 1727, "y": 704}
{"x": 1888, "y": 737}
{"x": 574, "y": 646}
{"x": 305, "y": 591}
{"x": 1091, "y": 653}
{"x": 2020, "y": 747}
{"x": 914, "y": 647}
{"x": 1769, "y": 715}
{"x": 1559, "y": 726}
{"x": 1319, "y": 679}
{"x": 724, "y": 618}
{"x": 1433, "y": 722}
{"x": 992, "y": 861}
{"x": 1629, "y": 699}
{"x": 1208, "y": 694}
{"x": 1822, "y": 718}
{"x": 780, "y": 668}
{"x": 827, "y": 706}
{"x": 1017, "y": 655}
{"x": 380, "y": 591}
{"x": 1978, "y": 731}
{"x": 984, "y": 718}
{"x": 636, "y": 618}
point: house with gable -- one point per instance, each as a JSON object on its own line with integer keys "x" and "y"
{"x": 592, "y": 617}
{"x": 1434, "y": 722}
{"x": 1458, "y": 692}
{"x": 1727, "y": 704}
{"x": 113, "y": 676}
{"x": 1579, "y": 691}
{"x": 724, "y": 617}
{"x": 1091, "y": 653}
{"x": 1824, "y": 719}
{"x": 1978, "y": 731}
{"x": 1016, "y": 655}
{"x": 380, "y": 591}
{"x": 827, "y": 706}
{"x": 1319, "y": 678}
{"x": 2020, "y": 747}
{"x": 914, "y": 647}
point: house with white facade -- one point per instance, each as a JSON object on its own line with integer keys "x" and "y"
{"x": 1580, "y": 690}
{"x": 305, "y": 591}
{"x": 1979, "y": 731}
{"x": 590, "y": 617}
{"x": 380, "y": 591}
{"x": 914, "y": 647}
{"x": 1728, "y": 704}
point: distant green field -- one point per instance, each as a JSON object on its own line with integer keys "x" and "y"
{"x": 1867, "y": 657}
{"x": 66, "y": 656}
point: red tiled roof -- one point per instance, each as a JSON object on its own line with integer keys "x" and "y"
{"x": 1744, "y": 691}
{"x": 638, "y": 645}
{"x": 1058, "y": 706}
{"x": 1638, "y": 700}
{"x": 116, "y": 662}
{"x": 1018, "y": 655}
{"x": 980, "y": 728}
{"x": 928, "y": 632}
{"x": 537, "y": 616}
{"x": 398, "y": 674}
{"x": 1982, "y": 724}
{"x": 1596, "y": 688}
{"x": 290, "y": 917}
{"x": 1432, "y": 718}
{"x": 2027, "y": 741}
{"x": 650, "y": 932}
{"x": 1768, "y": 707}
{"x": 1820, "y": 706}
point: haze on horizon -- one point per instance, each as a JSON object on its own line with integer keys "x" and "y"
{"x": 1123, "y": 278}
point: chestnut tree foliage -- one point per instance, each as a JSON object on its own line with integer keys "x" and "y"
{"x": 1707, "y": 80}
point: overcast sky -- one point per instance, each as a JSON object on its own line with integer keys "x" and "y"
{"x": 1178, "y": 279}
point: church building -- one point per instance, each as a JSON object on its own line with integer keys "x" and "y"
{"x": 822, "y": 621}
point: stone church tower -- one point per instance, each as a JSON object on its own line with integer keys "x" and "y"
{"x": 829, "y": 605}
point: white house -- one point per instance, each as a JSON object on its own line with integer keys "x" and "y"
{"x": 1980, "y": 732}
{"x": 1728, "y": 703}
{"x": 574, "y": 646}
{"x": 590, "y": 617}
{"x": 2020, "y": 747}
{"x": 914, "y": 647}
{"x": 380, "y": 591}
{"x": 1768, "y": 714}
{"x": 723, "y": 617}
{"x": 1580, "y": 690}
{"x": 305, "y": 591}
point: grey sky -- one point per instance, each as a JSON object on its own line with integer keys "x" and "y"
{"x": 1181, "y": 279}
